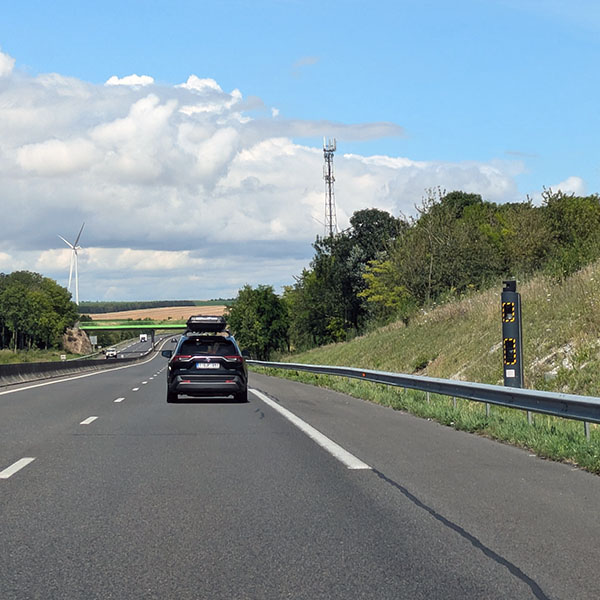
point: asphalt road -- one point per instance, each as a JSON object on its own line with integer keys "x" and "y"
{"x": 212, "y": 499}
{"x": 135, "y": 348}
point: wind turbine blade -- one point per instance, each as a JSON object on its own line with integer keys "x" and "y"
{"x": 65, "y": 241}
{"x": 79, "y": 234}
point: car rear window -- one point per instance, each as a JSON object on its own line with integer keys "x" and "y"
{"x": 211, "y": 347}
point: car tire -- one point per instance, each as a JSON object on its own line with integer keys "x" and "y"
{"x": 241, "y": 397}
{"x": 171, "y": 397}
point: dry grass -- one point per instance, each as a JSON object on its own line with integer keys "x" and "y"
{"x": 167, "y": 313}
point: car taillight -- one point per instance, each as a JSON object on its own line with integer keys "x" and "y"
{"x": 235, "y": 358}
{"x": 182, "y": 357}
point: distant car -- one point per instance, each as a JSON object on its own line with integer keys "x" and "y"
{"x": 111, "y": 353}
{"x": 207, "y": 362}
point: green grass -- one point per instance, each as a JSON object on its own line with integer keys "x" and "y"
{"x": 28, "y": 356}
{"x": 462, "y": 340}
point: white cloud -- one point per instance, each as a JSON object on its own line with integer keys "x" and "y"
{"x": 57, "y": 157}
{"x": 6, "y": 262}
{"x": 132, "y": 80}
{"x": 208, "y": 97}
{"x": 125, "y": 260}
{"x": 306, "y": 61}
{"x": 571, "y": 185}
{"x": 302, "y": 63}
{"x": 7, "y": 64}
{"x": 197, "y": 84}
{"x": 183, "y": 194}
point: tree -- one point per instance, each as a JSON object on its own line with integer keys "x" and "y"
{"x": 574, "y": 223}
{"x": 373, "y": 230}
{"x": 327, "y": 303}
{"x": 34, "y": 311}
{"x": 458, "y": 242}
{"x": 384, "y": 291}
{"x": 259, "y": 320}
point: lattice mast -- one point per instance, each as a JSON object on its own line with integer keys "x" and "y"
{"x": 330, "y": 215}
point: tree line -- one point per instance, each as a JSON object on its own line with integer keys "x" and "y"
{"x": 34, "y": 311}
{"x": 380, "y": 269}
{"x": 385, "y": 268}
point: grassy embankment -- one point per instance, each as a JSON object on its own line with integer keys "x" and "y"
{"x": 28, "y": 356}
{"x": 462, "y": 340}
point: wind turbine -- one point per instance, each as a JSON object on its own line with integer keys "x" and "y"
{"x": 74, "y": 259}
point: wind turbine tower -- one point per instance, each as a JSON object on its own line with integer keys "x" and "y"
{"x": 330, "y": 216}
{"x": 74, "y": 263}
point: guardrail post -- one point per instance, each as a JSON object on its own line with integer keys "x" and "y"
{"x": 487, "y": 409}
{"x": 586, "y": 428}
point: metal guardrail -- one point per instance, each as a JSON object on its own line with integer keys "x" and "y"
{"x": 14, "y": 373}
{"x": 568, "y": 406}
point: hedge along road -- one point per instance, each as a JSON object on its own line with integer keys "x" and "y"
{"x": 214, "y": 499}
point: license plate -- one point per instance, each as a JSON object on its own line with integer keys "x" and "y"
{"x": 207, "y": 365}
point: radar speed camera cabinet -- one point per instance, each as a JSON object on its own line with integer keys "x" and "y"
{"x": 512, "y": 348}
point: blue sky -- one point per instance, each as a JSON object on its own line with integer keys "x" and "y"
{"x": 467, "y": 80}
{"x": 455, "y": 90}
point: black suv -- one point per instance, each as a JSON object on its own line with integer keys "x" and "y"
{"x": 206, "y": 362}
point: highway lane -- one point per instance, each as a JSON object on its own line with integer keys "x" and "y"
{"x": 34, "y": 412}
{"x": 220, "y": 500}
{"x": 538, "y": 515}
{"x": 134, "y": 347}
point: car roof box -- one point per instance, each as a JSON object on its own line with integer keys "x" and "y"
{"x": 206, "y": 324}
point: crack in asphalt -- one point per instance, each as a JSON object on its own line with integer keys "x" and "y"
{"x": 512, "y": 568}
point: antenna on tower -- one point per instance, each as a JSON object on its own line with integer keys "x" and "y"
{"x": 330, "y": 216}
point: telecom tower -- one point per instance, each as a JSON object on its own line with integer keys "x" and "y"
{"x": 330, "y": 217}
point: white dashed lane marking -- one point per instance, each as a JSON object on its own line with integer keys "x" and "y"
{"x": 135, "y": 390}
{"x": 88, "y": 421}
{"x": 9, "y": 471}
{"x": 119, "y": 399}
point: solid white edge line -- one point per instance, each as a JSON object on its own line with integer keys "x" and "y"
{"x": 349, "y": 460}
{"x": 62, "y": 380}
{"x": 9, "y": 471}
{"x": 88, "y": 421}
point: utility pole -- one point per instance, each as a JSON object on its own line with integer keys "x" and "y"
{"x": 329, "y": 148}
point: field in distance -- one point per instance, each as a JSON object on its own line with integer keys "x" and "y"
{"x": 166, "y": 313}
